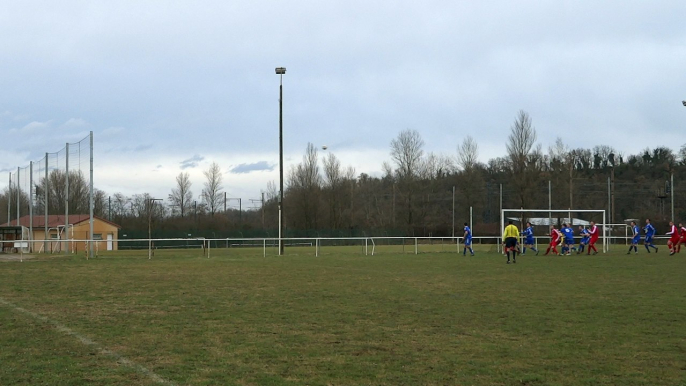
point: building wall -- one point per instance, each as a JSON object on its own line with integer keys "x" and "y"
{"x": 80, "y": 231}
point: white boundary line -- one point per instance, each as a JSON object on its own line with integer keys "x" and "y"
{"x": 90, "y": 343}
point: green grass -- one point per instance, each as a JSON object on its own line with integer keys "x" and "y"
{"x": 344, "y": 318}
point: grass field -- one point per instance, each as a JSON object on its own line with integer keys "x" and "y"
{"x": 343, "y": 318}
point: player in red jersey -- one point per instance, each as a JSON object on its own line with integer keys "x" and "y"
{"x": 593, "y": 232}
{"x": 673, "y": 239}
{"x": 555, "y": 237}
{"x": 682, "y": 240}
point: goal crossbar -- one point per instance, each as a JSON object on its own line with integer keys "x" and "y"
{"x": 565, "y": 211}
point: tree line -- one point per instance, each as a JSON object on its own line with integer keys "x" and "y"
{"x": 418, "y": 193}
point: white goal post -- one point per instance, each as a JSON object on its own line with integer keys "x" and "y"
{"x": 567, "y": 212}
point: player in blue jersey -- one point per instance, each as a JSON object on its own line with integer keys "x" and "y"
{"x": 529, "y": 238}
{"x": 650, "y": 232}
{"x": 585, "y": 238}
{"x": 635, "y": 239}
{"x": 568, "y": 241}
{"x": 467, "y": 240}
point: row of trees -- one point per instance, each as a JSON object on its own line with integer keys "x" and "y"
{"x": 418, "y": 193}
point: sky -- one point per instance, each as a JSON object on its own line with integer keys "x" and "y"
{"x": 173, "y": 86}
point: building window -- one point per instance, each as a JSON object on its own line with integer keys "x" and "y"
{"x": 97, "y": 236}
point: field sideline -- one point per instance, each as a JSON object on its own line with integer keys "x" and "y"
{"x": 343, "y": 319}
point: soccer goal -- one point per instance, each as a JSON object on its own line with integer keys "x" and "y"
{"x": 553, "y": 217}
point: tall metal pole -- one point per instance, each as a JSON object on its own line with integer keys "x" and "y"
{"x": 671, "y": 189}
{"x": 453, "y": 210}
{"x": 609, "y": 200}
{"x": 91, "y": 202}
{"x": 150, "y": 207}
{"x": 31, "y": 205}
{"x": 280, "y": 71}
{"x": 9, "y": 201}
{"x": 18, "y": 194}
{"x": 46, "y": 184}
{"x": 612, "y": 219}
{"x": 66, "y": 205}
{"x": 501, "y": 200}
{"x": 471, "y": 219}
{"x": 150, "y": 228}
{"x": 550, "y": 203}
{"x": 502, "y": 218}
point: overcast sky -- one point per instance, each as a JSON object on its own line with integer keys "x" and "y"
{"x": 172, "y": 86}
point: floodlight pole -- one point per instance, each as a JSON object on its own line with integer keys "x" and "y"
{"x": 280, "y": 71}
{"x": 151, "y": 202}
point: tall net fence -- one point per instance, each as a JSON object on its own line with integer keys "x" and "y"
{"x": 52, "y": 194}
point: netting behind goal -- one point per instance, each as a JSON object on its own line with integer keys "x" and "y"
{"x": 544, "y": 218}
{"x": 44, "y": 193}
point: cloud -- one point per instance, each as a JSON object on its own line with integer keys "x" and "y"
{"x": 191, "y": 162}
{"x": 113, "y": 130}
{"x": 32, "y": 127}
{"x": 74, "y": 123}
{"x": 253, "y": 167}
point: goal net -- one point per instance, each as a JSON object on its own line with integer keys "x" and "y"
{"x": 542, "y": 219}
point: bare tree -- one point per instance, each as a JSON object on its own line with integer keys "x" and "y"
{"x": 212, "y": 193}
{"x": 407, "y": 152}
{"x": 181, "y": 196}
{"x": 79, "y": 193}
{"x": 682, "y": 155}
{"x": 601, "y": 156}
{"x": 524, "y": 159}
{"x": 334, "y": 179}
{"x": 468, "y": 154}
{"x": 304, "y": 183}
{"x": 10, "y": 193}
{"x": 521, "y": 140}
{"x": 119, "y": 206}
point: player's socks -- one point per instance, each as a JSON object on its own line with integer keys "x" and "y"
{"x": 471, "y": 250}
{"x": 524, "y": 250}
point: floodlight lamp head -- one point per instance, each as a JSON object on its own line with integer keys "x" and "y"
{"x": 683, "y": 102}
{"x": 280, "y": 70}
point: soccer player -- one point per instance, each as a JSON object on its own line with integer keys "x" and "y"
{"x": 467, "y": 240}
{"x": 650, "y": 232}
{"x": 674, "y": 238}
{"x": 585, "y": 237}
{"x": 529, "y": 238}
{"x": 554, "y": 240}
{"x": 593, "y": 233}
{"x": 510, "y": 239}
{"x": 682, "y": 240}
{"x": 568, "y": 234}
{"x": 635, "y": 239}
